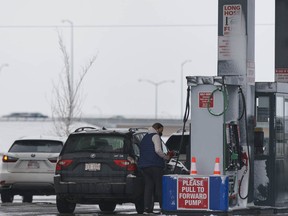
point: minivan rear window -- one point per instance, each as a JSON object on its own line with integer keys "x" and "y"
{"x": 95, "y": 143}
{"x": 43, "y": 146}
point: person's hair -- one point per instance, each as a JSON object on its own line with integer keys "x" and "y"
{"x": 157, "y": 125}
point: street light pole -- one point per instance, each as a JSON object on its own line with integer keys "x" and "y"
{"x": 181, "y": 87}
{"x": 156, "y": 84}
{"x": 2, "y": 66}
{"x": 72, "y": 52}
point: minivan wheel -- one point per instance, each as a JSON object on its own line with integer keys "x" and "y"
{"x": 64, "y": 206}
{"x": 107, "y": 206}
{"x": 27, "y": 198}
{"x": 7, "y": 197}
{"x": 139, "y": 205}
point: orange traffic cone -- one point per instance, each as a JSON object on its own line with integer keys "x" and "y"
{"x": 193, "y": 167}
{"x": 217, "y": 166}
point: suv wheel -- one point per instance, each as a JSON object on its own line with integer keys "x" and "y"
{"x": 64, "y": 206}
{"x": 107, "y": 206}
{"x": 139, "y": 205}
{"x": 27, "y": 198}
{"x": 7, "y": 197}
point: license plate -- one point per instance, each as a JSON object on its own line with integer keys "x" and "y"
{"x": 33, "y": 165}
{"x": 92, "y": 166}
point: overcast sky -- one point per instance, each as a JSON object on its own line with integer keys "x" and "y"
{"x": 134, "y": 39}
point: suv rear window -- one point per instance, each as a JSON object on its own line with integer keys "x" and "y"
{"x": 95, "y": 142}
{"x": 44, "y": 146}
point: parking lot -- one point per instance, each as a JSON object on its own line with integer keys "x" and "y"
{"x": 45, "y": 206}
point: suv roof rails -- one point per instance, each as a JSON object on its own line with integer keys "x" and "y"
{"x": 137, "y": 129}
{"x": 84, "y": 128}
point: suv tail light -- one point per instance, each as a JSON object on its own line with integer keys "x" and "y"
{"x": 8, "y": 159}
{"x": 62, "y": 163}
{"x": 129, "y": 165}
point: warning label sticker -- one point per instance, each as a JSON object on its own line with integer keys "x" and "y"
{"x": 204, "y": 99}
{"x": 193, "y": 193}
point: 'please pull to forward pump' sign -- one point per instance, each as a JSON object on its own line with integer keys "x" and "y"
{"x": 193, "y": 193}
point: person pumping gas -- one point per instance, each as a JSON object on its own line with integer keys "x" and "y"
{"x": 152, "y": 163}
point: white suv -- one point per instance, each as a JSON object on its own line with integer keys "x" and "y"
{"x": 174, "y": 144}
{"x": 28, "y": 168}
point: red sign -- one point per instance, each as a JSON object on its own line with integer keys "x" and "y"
{"x": 193, "y": 193}
{"x": 204, "y": 99}
{"x": 281, "y": 70}
{"x": 281, "y": 75}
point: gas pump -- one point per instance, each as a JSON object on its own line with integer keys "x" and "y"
{"x": 215, "y": 143}
{"x": 217, "y": 107}
{"x": 221, "y": 127}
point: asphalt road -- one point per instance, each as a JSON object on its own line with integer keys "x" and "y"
{"x": 46, "y": 206}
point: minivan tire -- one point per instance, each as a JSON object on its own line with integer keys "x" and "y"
{"x": 107, "y": 206}
{"x": 64, "y": 206}
{"x": 27, "y": 198}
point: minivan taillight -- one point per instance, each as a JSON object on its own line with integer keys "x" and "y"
{"x": 62, "y": 163}
{"x": 8, "y": 159}
{"x": 126, "y": 164}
